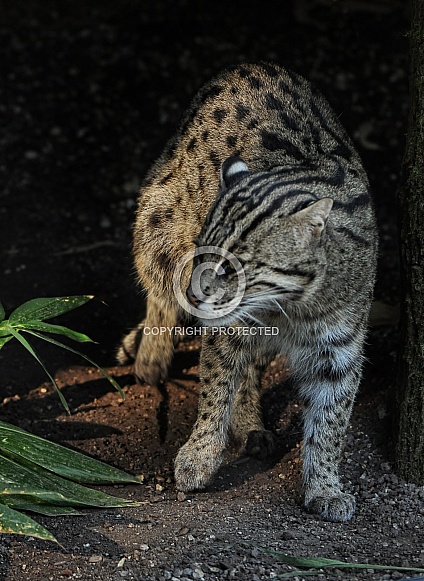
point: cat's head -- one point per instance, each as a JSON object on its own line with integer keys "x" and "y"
{"x": 261, "y": 246}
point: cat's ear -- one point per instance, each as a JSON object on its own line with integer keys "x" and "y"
{"x": 311, "y": 221}
{"x": 232, "y": 169}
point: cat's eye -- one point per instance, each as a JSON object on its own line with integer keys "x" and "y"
{"x": 225, "y": 269}
{"x": 302, "y": 205}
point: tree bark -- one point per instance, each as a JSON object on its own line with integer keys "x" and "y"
{"x": 409, "y": 396}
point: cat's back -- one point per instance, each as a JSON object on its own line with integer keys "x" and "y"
{"x": 262, "y": 113}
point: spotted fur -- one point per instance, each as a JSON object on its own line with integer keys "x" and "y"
{"x": 261, "y": 167}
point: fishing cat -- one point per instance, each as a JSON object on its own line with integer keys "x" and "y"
{"x": 263, "y": 181}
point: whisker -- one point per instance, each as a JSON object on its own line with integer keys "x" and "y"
{"x": 276, "y": 291}
{"x": 280, "y": 308}
{"x": 262, "y": 293}
{"x": 247, "y": 317}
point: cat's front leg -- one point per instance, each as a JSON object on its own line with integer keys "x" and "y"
{"x": 247, "y": 428}
{"x": 329, "y": 394}
{"x": 199, "y": 459}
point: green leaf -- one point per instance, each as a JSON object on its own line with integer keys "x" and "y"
{"x": 46, "y": 509}
{"x": 4, "y": 340}
{"x": 25, "y": 484}
{"x": 36, "y": 486}
{"x": 12, "y": 521}
{"x": 58, "y": 459}
{"x": 102, "y": 371}
{"x": 57, "y": 329}
{"x": 322, "y": 562}
{"x": 4, "y": 328}
{"x": 46, "y": 308}
{"x": 2, "y": 312}
{"x": 27, "y": 346}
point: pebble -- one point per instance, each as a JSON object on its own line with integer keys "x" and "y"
{"x": 95, "y": 559}
{"x": 183, "y": 531}
{"x": 186, "y": 574}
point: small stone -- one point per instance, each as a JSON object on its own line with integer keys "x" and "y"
{"x": 183, "y": 531}
{"x": 181, "y": 496}
{"x": 95, "y": 559}
{"x": 66, "y": 573}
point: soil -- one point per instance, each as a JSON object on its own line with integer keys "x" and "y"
{"x": 90, "y": 92}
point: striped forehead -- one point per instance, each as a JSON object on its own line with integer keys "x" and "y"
{"x": 251, "y": 201}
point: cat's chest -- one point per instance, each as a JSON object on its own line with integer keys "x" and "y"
{"x": 294, "y": 338}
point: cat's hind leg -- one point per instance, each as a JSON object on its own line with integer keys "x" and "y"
{"x": 151, "y": 343}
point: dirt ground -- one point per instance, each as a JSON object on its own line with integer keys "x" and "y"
{"x": 89, "y": 92}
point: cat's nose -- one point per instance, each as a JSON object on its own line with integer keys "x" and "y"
{"x": 191, "y": 297}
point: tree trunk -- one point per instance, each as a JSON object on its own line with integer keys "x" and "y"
{"x": 409, "y": 409}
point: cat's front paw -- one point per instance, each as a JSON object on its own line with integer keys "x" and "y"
{"x": 196, "y": 464}
{"x": 336, "y": 508}
{"x": 260, "y": 443}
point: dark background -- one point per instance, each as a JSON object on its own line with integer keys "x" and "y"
{"x": 89, "y": 93}
{"x": 90, "y": 90}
